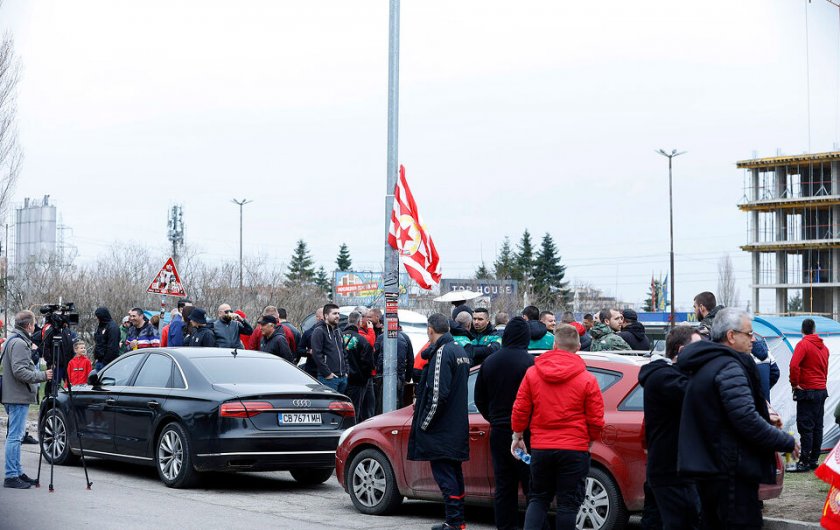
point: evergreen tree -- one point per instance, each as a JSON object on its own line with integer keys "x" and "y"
{"x": 322, "y": 281}
{"x": 525, "y": 259}
{"x": 795, "y": 304}
{"x": 301, "y": 269}
{"x": 505, "y": 264}
{"x": 343, "y": 260}
{"x": 549, "y": 288}
{"x": 649, "y": 305}
{"x": 482, "y": 273}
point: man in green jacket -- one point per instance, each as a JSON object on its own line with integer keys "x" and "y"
{"x": 604, "y": 335}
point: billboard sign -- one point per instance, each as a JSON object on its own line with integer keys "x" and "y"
{"x": 489, "y": 288}
{"x": 364, "y": 288}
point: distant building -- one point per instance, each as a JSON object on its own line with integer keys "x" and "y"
{"x": 586, "y": 299}
{"x": 35, "y": 231}
{"x": 793, "y": 204}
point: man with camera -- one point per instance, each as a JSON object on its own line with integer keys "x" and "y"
{"x": 19, "y": 389}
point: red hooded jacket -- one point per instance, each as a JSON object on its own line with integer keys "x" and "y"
{"x": 560, "y": 402}
{"x": 809, "y": 365}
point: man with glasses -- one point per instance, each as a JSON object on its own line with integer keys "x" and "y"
{"x": 229, "y": 327}
{"x": 726, "y": 440}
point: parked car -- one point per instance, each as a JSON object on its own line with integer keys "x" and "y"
{"x": 187, "y": 410}
{"x": 371, "y": 460}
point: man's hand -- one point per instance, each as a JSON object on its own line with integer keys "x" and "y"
{"x": 331, "y": 376}
{"x": 517, "y": 442}
{"x": 49, "y": 374}
{"x": 797, "y": 449}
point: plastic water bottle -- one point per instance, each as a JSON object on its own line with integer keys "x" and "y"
{"x": 522, "y": 455}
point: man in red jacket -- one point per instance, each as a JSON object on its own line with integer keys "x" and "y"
{"x": 561, "y": 403}
{"x": 808, "y": 374}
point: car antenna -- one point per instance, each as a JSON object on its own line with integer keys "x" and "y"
{"x": 234, "y": 352}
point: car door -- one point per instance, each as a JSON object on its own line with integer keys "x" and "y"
{"x": 140, "y": 405}
{"x": 95, "y": 405}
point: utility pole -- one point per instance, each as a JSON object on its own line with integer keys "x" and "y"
{"x": 176, "y": 231}
{"x": 391, "y": 276}
{"x": 670, "y": 158}
{"x": 241, "y": 203}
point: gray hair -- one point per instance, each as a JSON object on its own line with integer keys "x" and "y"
{"x": 464, "y": 318}
{"x": 24, "y": 318}
{"x": 362, "y": 310}
{"x": 727, "y": 319}
{"x": 354, "y": 318}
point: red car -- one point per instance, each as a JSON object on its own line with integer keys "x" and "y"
{"x": 371, "y": 463}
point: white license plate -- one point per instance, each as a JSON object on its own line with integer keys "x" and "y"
{"x": 299, "y": 419}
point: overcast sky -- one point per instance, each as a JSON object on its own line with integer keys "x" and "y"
{"x": 534, "y": 114}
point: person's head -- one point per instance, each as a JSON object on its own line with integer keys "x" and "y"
{"x": 703, "y": 304}
{"x": 270, "y": 310}
{"x": 375, "y": 317}
{"x": 566, "y": 338}
{"x": 531, "y": 312}
{"x": 363, "y": 312}
{"x": 354, "y": 318}
{"x": 25, "y": 321}
{"x": 268, "y": 323}
{"x": 733, "y": 327}
{"x": 319, "y": 314}
{"x": 198, "y": 317}
{"x": 629, "y": 316}
{"x": 678, "y": 338}
{"x": 481, "y": 319}
{"x": 808, "y": 326}
{"x": 281, "y": 314}
{"x": 331, "y": 314}
{"x": 568, "y": 317}
{"x": 155, "y": 320}
{"x": 225, "y": 312}
{"x": 184, "y": 302}
{"x": 588, "y": 321}
{"x": 437, "y": 326}
{"x": 79, "y": 347}
{"x": 137, "y": 317}
{"x": 612, "y": 318}
{"x": 126, "y": 321}
{"x": 464, "y": 319}
{"x": 502, "y": 318}
{"x": 547, "y": 318}
{"x": 516, "y": 334}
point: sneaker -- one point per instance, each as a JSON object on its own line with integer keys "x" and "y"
{"x": 28, "y": 439}
{"x": 813, "y": 465}
{"x": 800, "y": 468}
{"x": 16, "y": 483}
{"x": 27, "y": 479}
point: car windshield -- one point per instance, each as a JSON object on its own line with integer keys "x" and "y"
{"x": 250, "y": 370}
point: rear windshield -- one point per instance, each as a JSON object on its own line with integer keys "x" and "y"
{"x": 247, "y": 370}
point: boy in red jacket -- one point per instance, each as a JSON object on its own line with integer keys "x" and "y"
{"x": 79, "y": 366}
{"x": 561, "y": 403}
{"x": 808, "y": 374}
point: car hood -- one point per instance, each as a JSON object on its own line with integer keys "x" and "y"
{"x": 262, "y": 389}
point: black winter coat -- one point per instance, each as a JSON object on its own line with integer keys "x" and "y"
{"x": 725, "y": 426}
{"x": 634, "y": 335}
{"x": 359, "y": 356}
{"x": 201, "y": 337}
{"x": 440, "y": 426}
{"x": 107, "y": 339}
{"x": 328, "y": 350}
{"x": 405, "y": 356}
{"x": 277, "y": 345}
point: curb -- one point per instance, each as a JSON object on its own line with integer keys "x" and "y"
{"x": 772, "y": 523}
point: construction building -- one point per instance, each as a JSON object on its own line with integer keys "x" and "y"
{"x": 793, "y": 204}
{"x": 36, "y": 230}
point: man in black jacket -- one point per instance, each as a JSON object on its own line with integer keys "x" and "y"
{"x": 201, "y": 336}
{"x": 495, "y": 391}
{"x": 328, "y": 350}
{"x": 107, "y": 338}
{"x": 440, "y": 427}
{"x": 274, "y": 339}
{"x": 633, "y": 331}
{"x": 726, "y": 441}
{"x": 360, "y": 365}
{"x": 674, "y": 497}
{"x": 405, "y": 366}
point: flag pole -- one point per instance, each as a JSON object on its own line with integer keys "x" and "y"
{"x": 392, "y": 260}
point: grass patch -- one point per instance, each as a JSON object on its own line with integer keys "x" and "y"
{"x": 802, "y": 498}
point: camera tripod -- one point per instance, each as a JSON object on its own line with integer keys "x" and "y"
{"x": 49, "y": 420}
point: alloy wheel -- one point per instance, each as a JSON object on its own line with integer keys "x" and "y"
{"x": 595, "y": 508}
{"x": 170, "y": 455}
{"x": 55, "y": 436}
{"x": 369, "y": 482}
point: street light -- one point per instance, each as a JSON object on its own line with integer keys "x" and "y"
{"x": 670, "y": 156}
{"x": 241, "y": 203}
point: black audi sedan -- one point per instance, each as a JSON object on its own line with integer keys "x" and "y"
{"x": 188, "y": 410}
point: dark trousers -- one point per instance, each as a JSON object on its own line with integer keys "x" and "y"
{"x": 357, "y": 394}
{"x": 678, "y": 504}
{"x": 450, "y": 480}
{"x": 651, "y": 520}
{"x": 369, "y": 402}
{"x": 809, "y": 422}
{"x": 509, "y": 473}
{"x": 560, "y": 473}
{"x": 729, "y": 504}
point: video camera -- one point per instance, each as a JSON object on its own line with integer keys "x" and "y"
{"x": 60, "y": 315}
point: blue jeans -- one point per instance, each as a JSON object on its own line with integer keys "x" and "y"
{"x": 17, "y": 424}
{"x": 339, "y": 384}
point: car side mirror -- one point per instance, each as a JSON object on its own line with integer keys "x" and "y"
{"x": 93, "y": 378}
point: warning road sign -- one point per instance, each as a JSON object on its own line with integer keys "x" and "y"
{"x": 167, "y": 281}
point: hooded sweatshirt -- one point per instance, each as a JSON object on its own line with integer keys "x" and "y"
{"x": 107, "y": 338}
{"x": 809, "y": 365}
{"x": 501, "y": 374}
{"x": 664, "y": 388}
{"x": 634, "y": 335}
{"x": 328, "y": 350}
{"x": 560, "y": 401}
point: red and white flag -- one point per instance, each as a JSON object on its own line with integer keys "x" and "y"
{"x": 408, "y": 235}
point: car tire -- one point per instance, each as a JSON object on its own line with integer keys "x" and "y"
{"x": 603, "y": 507}
{"x": 311, "y": 476}
{"x": 371, "y": 483}
{"x": 54, "y": 438}
{"x": 173, "y": 457}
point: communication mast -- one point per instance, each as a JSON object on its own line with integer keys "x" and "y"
{"x": 176, "y": 230}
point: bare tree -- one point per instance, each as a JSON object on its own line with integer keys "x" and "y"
{"x": 726, "y": 290}
{"x": 11, "y": 155}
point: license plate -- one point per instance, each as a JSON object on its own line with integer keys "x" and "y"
{"x": 299, "y": 419}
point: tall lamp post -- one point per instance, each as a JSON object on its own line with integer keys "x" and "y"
{"x": 241, "y": 203}
{"x": 670, "y": 156}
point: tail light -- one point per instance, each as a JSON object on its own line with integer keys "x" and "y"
{"x": 244, "y": 409}
{"x": 342, "y": 408}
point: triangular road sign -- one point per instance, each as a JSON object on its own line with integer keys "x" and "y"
{"x": 167, "y": 281}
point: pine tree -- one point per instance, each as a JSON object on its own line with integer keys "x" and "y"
{"x": 525, "y": 259}
{"x": 505, "y": 264}
{"x": 649, "y": 305}
{"x": 301, "y": 269}
{"x": 322, "y": 281}
{"x": 482, "y": 273}
{"x": 343, "y": 260}
{"x": 548, "y": 285}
